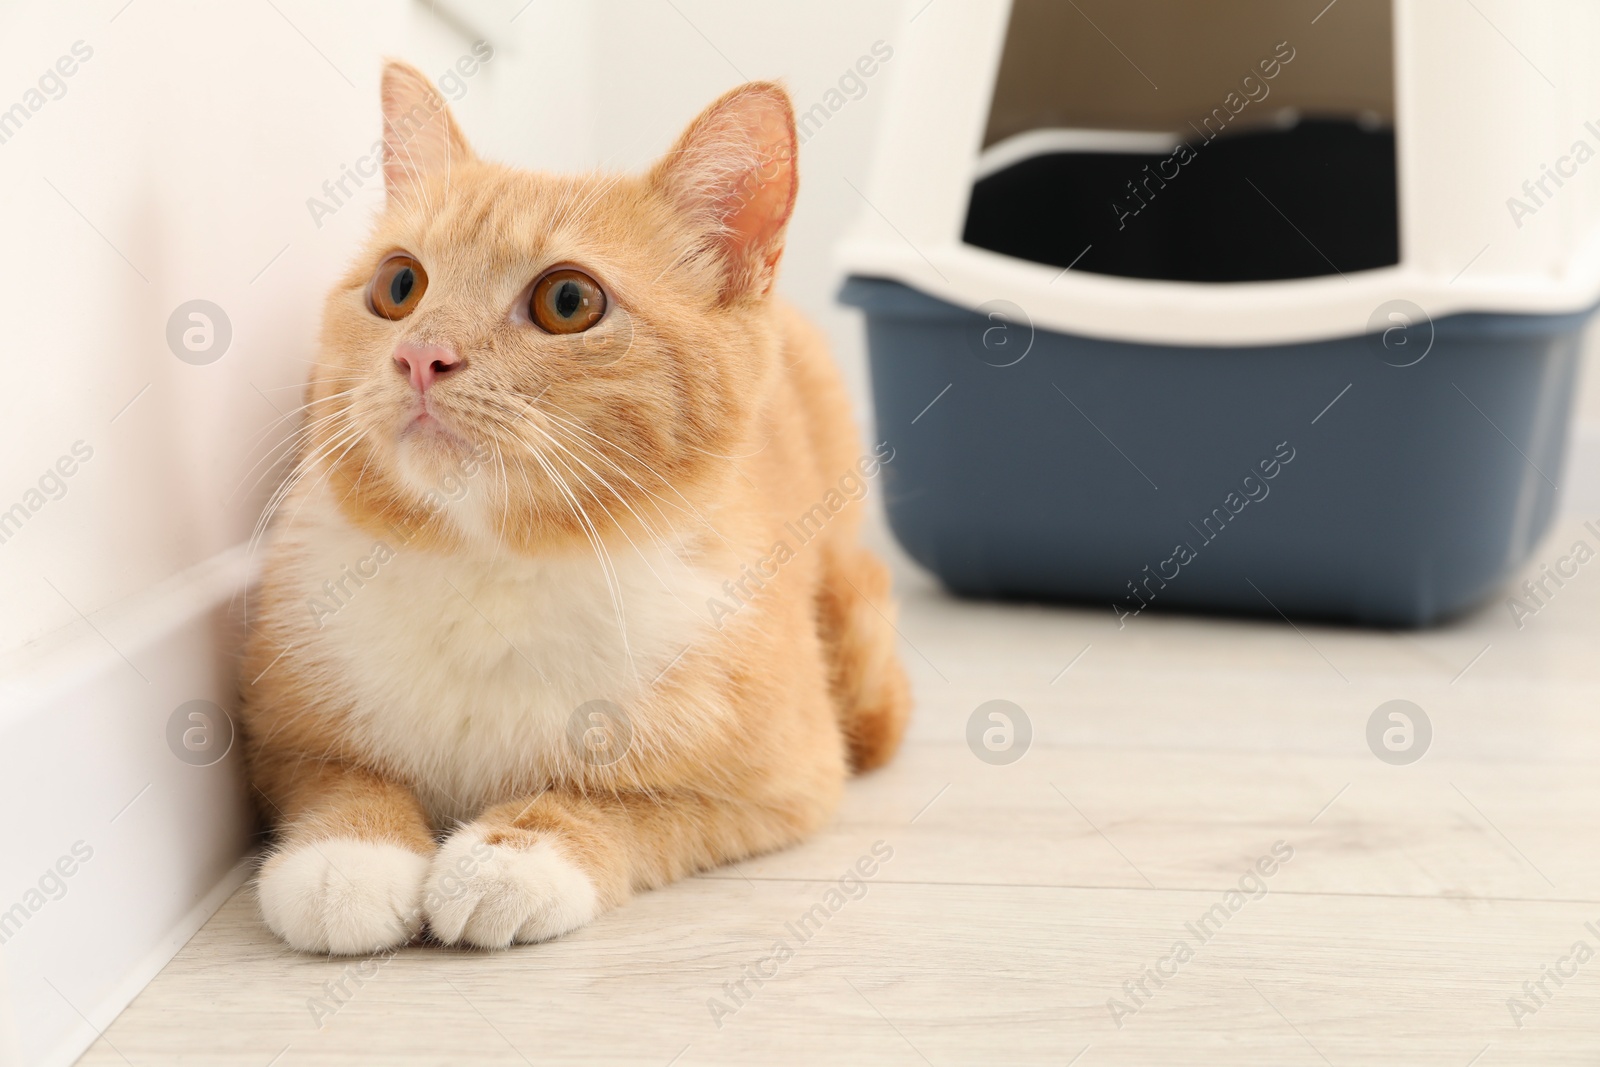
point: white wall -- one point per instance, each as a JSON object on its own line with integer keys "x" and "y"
{"x": 175, "y": 167}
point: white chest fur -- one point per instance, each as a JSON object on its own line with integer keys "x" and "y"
{"x": 463, "y": 674}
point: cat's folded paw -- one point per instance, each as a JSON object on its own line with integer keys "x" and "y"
{"x": 493, "y": 896}
{"x": 343, "y": 896}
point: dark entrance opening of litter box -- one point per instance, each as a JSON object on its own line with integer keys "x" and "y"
{"x": 1317, "y": 198}
{"x": 1266, "y": 152}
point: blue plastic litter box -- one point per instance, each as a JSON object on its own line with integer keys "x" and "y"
{"x": 1287, "y": 336}
{"x": 1313, "y": 479}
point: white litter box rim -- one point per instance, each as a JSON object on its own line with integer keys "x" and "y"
{"x": 1197, "y": 314}
{"x": 1459, "y": 249}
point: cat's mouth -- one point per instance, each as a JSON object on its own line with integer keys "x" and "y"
{"x": 425, "y": 425}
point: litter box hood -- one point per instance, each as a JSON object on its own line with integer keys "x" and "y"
{"x": 1476, "y": 128}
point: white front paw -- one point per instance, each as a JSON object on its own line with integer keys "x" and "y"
{"x": 343, "y": 895}
{"x": 492, "y": 896}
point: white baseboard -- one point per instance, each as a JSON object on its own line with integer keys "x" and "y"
{"x": 85, "y": 762}
{"x": 144, "y": 971}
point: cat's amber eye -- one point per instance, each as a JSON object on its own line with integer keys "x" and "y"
{"x": 566, "y": 301}
{"x": 397, "y": 288}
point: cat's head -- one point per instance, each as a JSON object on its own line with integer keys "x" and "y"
{"x": 518, "y": 356}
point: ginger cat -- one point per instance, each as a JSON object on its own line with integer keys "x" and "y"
{"x": 563, "y": 598}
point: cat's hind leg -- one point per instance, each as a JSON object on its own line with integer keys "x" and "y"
{"x": 868, "y": 684}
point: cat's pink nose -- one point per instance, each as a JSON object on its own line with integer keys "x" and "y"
{"x": 425, "y": 364}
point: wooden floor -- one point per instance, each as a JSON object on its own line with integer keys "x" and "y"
{"x": 1021, "y": 900}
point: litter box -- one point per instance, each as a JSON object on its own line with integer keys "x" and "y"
{"x": 1244, "y": 307}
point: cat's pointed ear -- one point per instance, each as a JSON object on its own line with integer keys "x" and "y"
{"x": 733, "y": 174}
{"x": 419, "y": 135}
